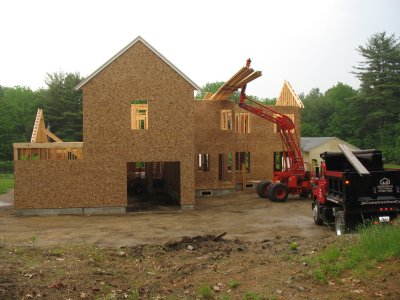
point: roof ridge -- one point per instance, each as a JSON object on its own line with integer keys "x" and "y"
{"x": 123, "y": 50}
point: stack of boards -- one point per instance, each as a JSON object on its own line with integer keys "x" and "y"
{"x": 237, "y": 81}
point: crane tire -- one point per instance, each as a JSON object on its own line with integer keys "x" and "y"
{"x": 278, "y": 192}
{"x": 262, "y": 188}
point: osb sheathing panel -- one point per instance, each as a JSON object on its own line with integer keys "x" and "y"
{"x": 76, "y": 183}
{"x": 261, "y": 142}
{"x": 109, "y": 143}
{"x": 140, "y": 74}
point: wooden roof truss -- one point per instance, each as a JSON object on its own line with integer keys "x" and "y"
{"x": 40, "y": 134}
{"x": 288, "y": 97}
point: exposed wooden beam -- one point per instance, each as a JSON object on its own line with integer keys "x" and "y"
{"x": 51, "y": 135}
{"x": 48, "y": 145}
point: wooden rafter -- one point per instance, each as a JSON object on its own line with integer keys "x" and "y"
{"x": 237, "y": 81}
{"x": 40, "y": 134}
{"x": 288, "y": 97}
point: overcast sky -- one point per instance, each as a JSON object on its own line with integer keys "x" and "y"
{"x": 311, "y": 43}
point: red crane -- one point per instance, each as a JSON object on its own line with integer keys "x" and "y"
{"x": 293, "y": 178}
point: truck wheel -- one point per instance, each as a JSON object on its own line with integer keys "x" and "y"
{"x": 262, "y": 188}
{"x": 278, "y": 192}
{"x": 340, "y": 223}
{"x": 317, "y": 213}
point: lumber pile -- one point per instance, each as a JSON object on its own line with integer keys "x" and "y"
{"x": 237, "y": 81}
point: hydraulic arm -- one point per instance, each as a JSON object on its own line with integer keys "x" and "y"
{"x": 292, "y": 156}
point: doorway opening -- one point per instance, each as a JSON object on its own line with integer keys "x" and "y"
{"x": 153, "y": 186}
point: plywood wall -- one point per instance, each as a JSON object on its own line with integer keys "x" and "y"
{"x": 261, "y": 142}
{"x": 109, "y": 142}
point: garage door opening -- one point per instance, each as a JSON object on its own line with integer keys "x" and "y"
{"x": 153, "y": 186}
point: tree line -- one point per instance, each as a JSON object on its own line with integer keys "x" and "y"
{"x": 368, "y": 117}
{"x": 62, "y": 107}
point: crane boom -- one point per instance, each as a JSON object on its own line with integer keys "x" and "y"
{"x": 286, "y": 129}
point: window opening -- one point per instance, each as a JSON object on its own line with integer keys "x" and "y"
{"x": 203, "y": 162}
{"x": 139, "y": 115}
{"x": 226, "y": 119}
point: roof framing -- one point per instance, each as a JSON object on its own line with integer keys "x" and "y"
{"x": 39, "y": 133}
{"x": 288, "y": 96}
{"x": 138, "y": 39}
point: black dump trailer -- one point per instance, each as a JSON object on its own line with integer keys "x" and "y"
{"x": 354, "y": 187}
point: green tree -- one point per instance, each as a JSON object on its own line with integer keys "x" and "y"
{"x": 378, "y": 101}
{"x": 211, "y": 87}
{"x": 18, "y": 106}
{"x": 316, "y": 113}
{"x": 63, "y": 105}
{"x": 341, "y": 122}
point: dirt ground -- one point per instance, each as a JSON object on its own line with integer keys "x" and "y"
{"x": 243, "y": 216}
{"x": 178, "y": 255}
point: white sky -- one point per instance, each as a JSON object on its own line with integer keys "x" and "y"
{"x": 311, "y": 43}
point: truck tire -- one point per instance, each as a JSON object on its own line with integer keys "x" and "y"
{"x": 317, "y": 213}
{"x": 262, "y": 188}
{"x": 340, "y": 223}
{"x": 278, "y": 192}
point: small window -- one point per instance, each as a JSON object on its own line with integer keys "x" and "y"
{"x": 226, "y": 119}
{"x": 229, "y": 162}
{"x": 242, "y": 158}
{"x": 139, "y": 115}
{"x": 204, "y": 162}
{"x": 278, "y": 161}
{"x": 242, "y": 121}
{"x": 291, "y": 116}
{"x": 281, "y": 162}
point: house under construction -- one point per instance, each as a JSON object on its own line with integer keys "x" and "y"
{"x": 145, "y": 134}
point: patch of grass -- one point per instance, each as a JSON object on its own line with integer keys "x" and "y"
{"x": 6, "y": 182}
{"x": 374, "y": 244}
{"x": 134, "y": 295}
{"x": 33, "y": 241}
{"x": 96, "y": 254}
{"x": 391, "y": 166}
{"x": 233, "y": 284}
{"x": 293, "y": 246}
{"x": 205, "y": 292}
{"x": 57, "y": 252}
{"x": 250, "y": 295}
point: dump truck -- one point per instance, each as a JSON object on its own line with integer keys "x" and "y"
{"x": 353, "y": 187}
